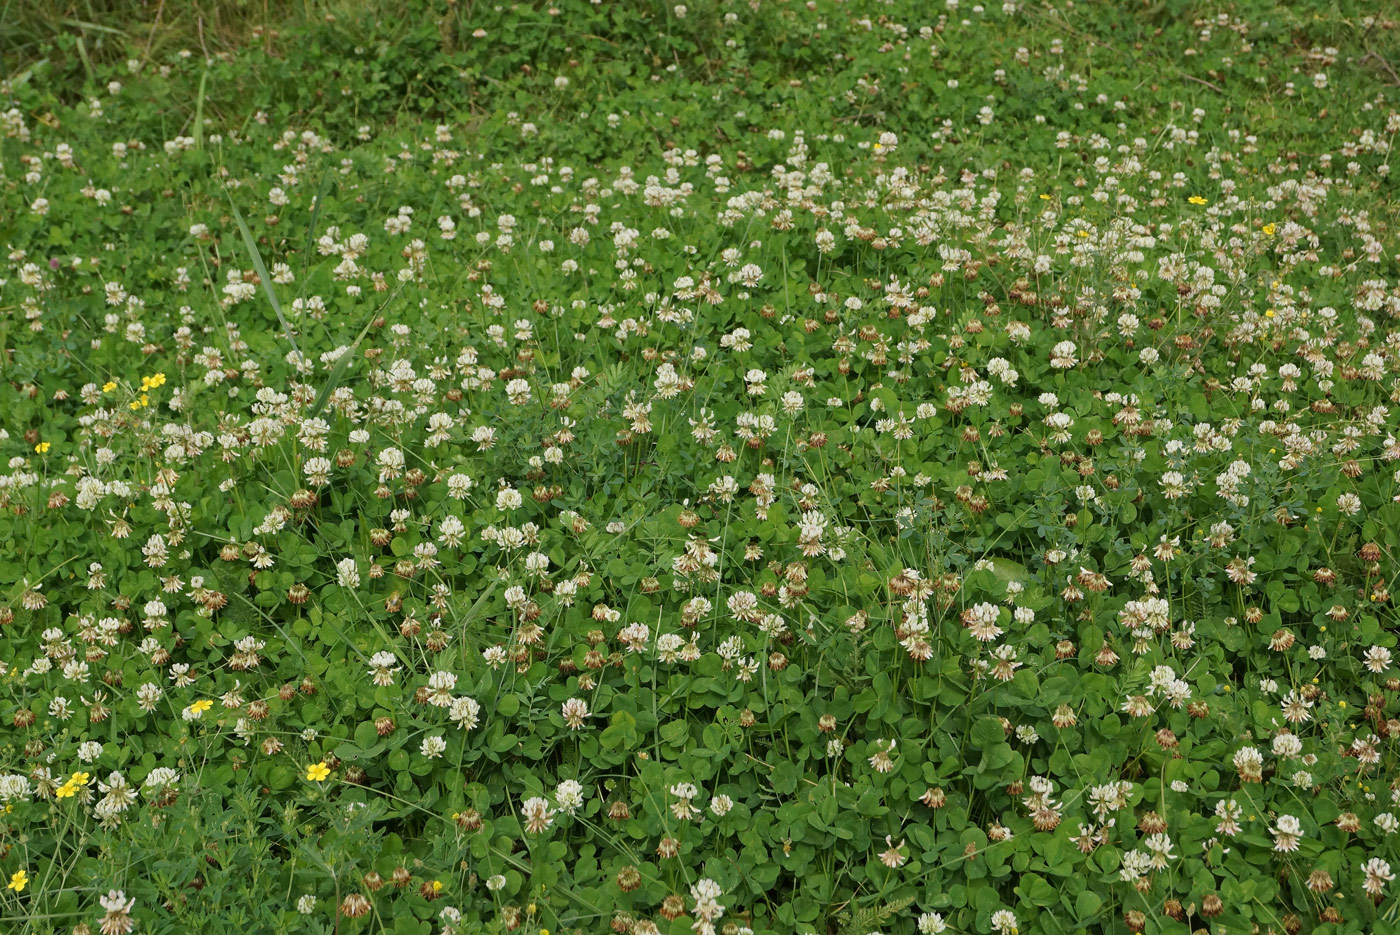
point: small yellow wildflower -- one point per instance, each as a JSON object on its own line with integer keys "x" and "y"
{"x": 437, "y": 886}
{"x": 42, "y": 447}
{"x": 1196, "y": 200}
{"x": 108, "y": 386}
{"x": 1044, "y": 197}
{"x": 202, "y": 705}
{"x": 18, "y": 881}
{"x": 1341, "y": 704}
{"x": 1269, "y": 313}
{"x": 1269, "y": 230}
{"x": 317, "y": 772}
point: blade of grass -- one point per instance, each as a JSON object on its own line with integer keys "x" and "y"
{"x": 339, "y": 372}
{"x": 95, "y": 27}
{"x": 146, "y": 55}
{"x": 199, "y": 112}
{"x": 87, "y": 63}
{"x": 252, "y": 247}
{"x": 311, "y": 229}
{"x": 23, "y": 77}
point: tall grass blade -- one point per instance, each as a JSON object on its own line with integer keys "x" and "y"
{"x": 261, "y": 269}
{"x": 340, "y": 366}
{"x": 199, "y": 112}
{"x": 311, "y": 229}
{"x": 87, "y": 62}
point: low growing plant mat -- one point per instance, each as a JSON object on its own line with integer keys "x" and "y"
{"x": 730, "y": 468}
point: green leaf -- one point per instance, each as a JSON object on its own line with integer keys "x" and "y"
{"x": 986, "y": 733}
{"x": 1087, "y": 905}
{"x": 621, "y": 732}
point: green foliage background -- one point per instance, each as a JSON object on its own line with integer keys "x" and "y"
{"x": 353, "y": 110}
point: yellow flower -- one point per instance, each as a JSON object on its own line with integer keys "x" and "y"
{"x": 1196, "y": 200}
{"x": 437, "y": 886}
{"x": 18, "y": 881}
{"x": 134, "y": 405}
{"x": 202, "y": 705}
{"x": 158, "y": 380}
{"x": 108, "y": 386}
{"x": 1341, "y": 704}
{"x": 1044, "y": 197}
{"x": 71, "y": 787}
{"x": 1269, "y": 230}
{"x": 317, "y": 772}
{"x": 1269, "y": 313}
{"x": 42, "y": 447}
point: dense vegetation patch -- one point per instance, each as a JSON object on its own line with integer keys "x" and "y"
{"x": 741, "y": 468}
